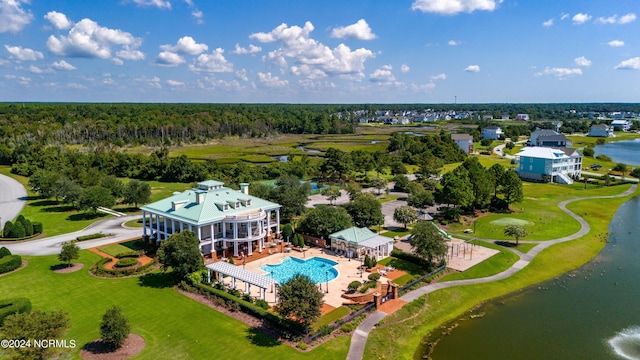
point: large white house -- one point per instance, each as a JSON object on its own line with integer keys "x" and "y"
{"x": 625, "y": 125}
{"x": 464, "y": 142}
{"x": 543, "y": 163}
{"x": 492, "y": 132}
{"x": 601, "y": 130}
{"x": 227, "y": 222}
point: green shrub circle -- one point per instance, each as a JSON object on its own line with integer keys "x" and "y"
{"x": 126, "y": 262}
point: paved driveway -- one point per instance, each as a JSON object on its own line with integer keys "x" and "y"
{"x": 13, "y": 197}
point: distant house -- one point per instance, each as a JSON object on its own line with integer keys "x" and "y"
{"x": 601, "y": 130}
{"x": 549, "y": 138}
{"x": 356, "y": 242}
{"x": 363, "y": 120}
{"x": 464, "y": 141}
{"x": 487, "y": 117}
{"x": 548, "y": 164}
{"x": 522, "y": 117}
{"x": 505, "y": 116}
{"x": 625, "y": 125}
{"x": 492, "y": 132}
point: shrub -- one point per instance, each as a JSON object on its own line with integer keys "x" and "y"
{"x": 262, "y": 304}
{"x": 302, "y": 346}
{"x": 368, "y": 285}
{"x": 128, "y": 254}
{"x": 374, "y": 277}
{"x": 234, "y": 292}
{"x": 247, "y": 298}
{"x": 98, "y": 269}
{"x": 8, "y": 226}
{"x": 37, "y": 227}
{"x": 126, "y": 262}
{"x": 354, "y": 285}
{"x": 10, "y": 263}
{"x": 325, "y": 330}
{"x": 13, "y": 306}
{"x": 90, "y": 237}
{"x": 4, "y": 252}
{"x": 348, "y": 327}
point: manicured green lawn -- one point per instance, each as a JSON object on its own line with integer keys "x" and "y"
{"x": 493, "y": 265}
{"x": 173, "y": 326}
{"x": 331, "y": 317}
{"x": 392, "y": 341}
{"x": 404, "y": 265}
{"x": 399, "y": 232}
{"x": 137, "y": 223}
{"x": 114, "y": 249}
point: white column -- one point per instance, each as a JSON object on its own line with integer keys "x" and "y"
{"x": 224, "y": 230}
{"x": 181, "y": 226}
{"x": 268, "y": 222}
{"x": 213, "y": 248}
{"x": 199, "y": 233}
{"x": 157, "y": 227}
{"x": 190, "y": 227}
{"x": 278, "y": 221}
{"x": 235, "y": 248}
{"x": 144, "y": 223}
{"x": 173, "y": 226}
{"x": 164, "y": 221}
{"x": 235, "y": 231}
{"x": 249, "y": 247}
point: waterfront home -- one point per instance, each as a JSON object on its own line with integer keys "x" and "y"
{"x": 601, "y": 130}
{"x": 625, "y": 125}
{"x": 492, "y": 132}
{"x": 356, "y": 242}
{"x": 464, "y": 141}
{"x": 522, "y": 117}
{"x": 548, "y": 138}
{"x": 222, "y": 218}
{"x": 556, "y": 165}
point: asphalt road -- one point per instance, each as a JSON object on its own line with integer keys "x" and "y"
{"x": 13, "y": 197}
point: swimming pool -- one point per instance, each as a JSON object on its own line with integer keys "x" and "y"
{"x": 318, "y": 269}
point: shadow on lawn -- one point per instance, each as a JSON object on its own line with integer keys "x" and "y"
{"x": 258, "y": 336}
{"x": 508, "y": 244}
{"x": 85, "y": 216}
{"x": 158, "y": 280}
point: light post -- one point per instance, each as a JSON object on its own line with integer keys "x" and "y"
{"x": 327, "y": 277}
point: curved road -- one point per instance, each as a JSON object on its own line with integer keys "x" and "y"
{"x": 13, "y": 197}
{"x": 360, "y": 335}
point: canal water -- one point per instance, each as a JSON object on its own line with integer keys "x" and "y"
{"x": 590, "y": 313}
{"x": 625, "y": 151}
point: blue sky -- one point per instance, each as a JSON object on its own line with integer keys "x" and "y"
{"x": 292, "y": 51}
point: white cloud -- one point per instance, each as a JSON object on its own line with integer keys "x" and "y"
{"x": 62, "y": 65}
{"x": 453, "y": 43}
{"x": 441, "y": 76}
{"x": 214, "y": 62}
{"x": 130, "y": 55}
{"x": 88, "y": 39}
{"x": 616, "y": 43}
{"x": 24, "y": 54}
{"x": 560, "y": 73}
{"x": 269, "y": 80}
{"x": 564, "y": 16}
{"x": 13, "y": 17}
{"x": 58, "y": 20}
{"x": 382, "y": 75}
{"x": 153, "y": 3}
{"x": 360, "y": 31}
{"x": 175, "y": 83}
{"x": 168, "y": 58}
{"x": 404, "y": 68}
{"x": 582, "y": 61}
{"x": 451, "y": 7}
{"x": 472, "y": 68}
{"x": 580, "y": 18}
{"x": 186, "y": 45}
{"x": 613, "y": 19}
{"x": 548, "y": 23}
{"x": 625, "y": 19}
{"x": 629, "y": 64}
{"x": 307, "y": 53}
{"x": 242, "y": 51}
{"x": 242, "y": 75}
{"x": 36, "y": 70}
{"x": 198, "y": 15}
{"x": 117, "y": 61}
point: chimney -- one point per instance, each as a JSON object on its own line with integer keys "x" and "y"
{"x": 244, "y": 188}
{"x": 199, "y": 198}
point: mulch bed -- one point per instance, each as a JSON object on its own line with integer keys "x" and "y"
{"x": 98, "y": 350}
{"x": 65, "y": 269}
{"x": 24, "y": 265}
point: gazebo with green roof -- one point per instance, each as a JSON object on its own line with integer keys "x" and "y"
{"x": 221, "y": 218}
{"x": 356, "y": 242}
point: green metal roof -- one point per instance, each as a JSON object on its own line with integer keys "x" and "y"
{"x": 210, "y": 208}
{"x": 354, "y": 234}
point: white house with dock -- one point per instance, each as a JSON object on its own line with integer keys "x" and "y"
{"x": 222, "y": 218}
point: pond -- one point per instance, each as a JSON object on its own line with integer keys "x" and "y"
{"x": 589, "y": 313}
{"x": 626, "y": 151}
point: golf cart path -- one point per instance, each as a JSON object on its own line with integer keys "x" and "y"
{"x": 360, "y": 335}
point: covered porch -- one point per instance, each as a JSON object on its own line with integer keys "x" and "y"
{"x": 248, "y": 278}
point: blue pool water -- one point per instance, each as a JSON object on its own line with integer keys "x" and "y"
{"x": 318, "y": 269}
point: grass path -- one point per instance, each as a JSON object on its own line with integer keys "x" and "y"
{"x": 360, "y": 336}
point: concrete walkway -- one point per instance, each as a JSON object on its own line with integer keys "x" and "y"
{"x": 360, "y": 335}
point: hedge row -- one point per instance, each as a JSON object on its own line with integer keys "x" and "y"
{"x": 4, "y": 252}
{"x": 129, "y": 254}
{"x": 90, "y": 237}
{"x": 10, "y": 263}
{"x": 126, "y": 262}
{"x": 284, "y": 324}
{"x": 424, "y": 264}
{"x": 13, "y": 306}
{"x": 98, "y": 269}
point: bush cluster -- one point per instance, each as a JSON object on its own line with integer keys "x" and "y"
{"x": 90, "y": 237}
{"x": 374, "y": 277}
{"x": 21, "y": 228}
{"x": 368, "y": 285}
{"x": 424, "y": 264}
{"x": 370, "y": 262}
{"x": 13, "y": 306}
{"x": 129, "y": 254}
{"x": 10, "y": 263}
{"x": 4, "y": 252}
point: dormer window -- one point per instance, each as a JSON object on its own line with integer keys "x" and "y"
{"x": 226, "y": 207}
